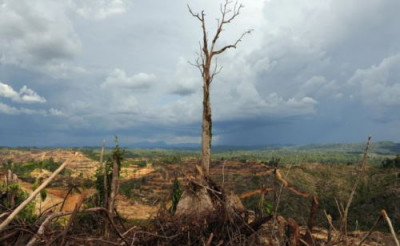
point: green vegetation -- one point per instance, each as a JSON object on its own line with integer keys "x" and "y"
{"x": 175, "y": 195}
{"x": 319, "y": 153}
{"x": 312, "y": 153}
{"x": 127, "y": 188}
{"x": 116, "y": 154}
{"x": 99, "y": 183}
{"x": 325, "y": 170}
{"x": 173, "y": 159}
{"x": 43, "y": 192}
{"x": 91, "y": 153}
{"x": 141, "y": 163}
{"x": 274, "y": 162}
{"x": 391, "y": 163}
{"x": 378, "y": 190}
{"x": 23, "y": 170}
{"x": 11, "y": 196}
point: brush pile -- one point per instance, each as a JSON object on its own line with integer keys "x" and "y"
{"x": 205, "y": 215}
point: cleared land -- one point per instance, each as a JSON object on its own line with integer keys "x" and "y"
{"x": 147, "y": 175}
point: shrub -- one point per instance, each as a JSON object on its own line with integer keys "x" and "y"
{"x": 24, "y": 169}
{"x": 391, "y": 163}
{"x": 273, "y": 162}
{"x": 14, "y": 196}
{"x": 141, "y": 163}
{"x": 175, "y": 195}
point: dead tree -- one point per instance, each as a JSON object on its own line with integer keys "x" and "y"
{"x": 104, "y": 166}
{"x": 114, "y": 183}
{"x": 345, "y": 211}
{"x": 116, "y": 160}
{"x": 208, "y": 69}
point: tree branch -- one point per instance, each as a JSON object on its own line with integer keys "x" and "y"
{"x": 216, "y": 70}
{"x": 193, "y": 14}
{"x": 232, "y": 45}
{"x": 389, "y": 222}
{"x": 200, "y": 17}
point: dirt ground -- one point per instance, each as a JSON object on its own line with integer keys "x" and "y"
{"x": 55, "y": 196}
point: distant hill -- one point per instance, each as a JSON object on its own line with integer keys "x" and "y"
{"x": 380, "y": 148}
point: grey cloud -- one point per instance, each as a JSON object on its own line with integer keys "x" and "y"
{"x": 99, "y": 9}
{"x": 186, "y": 80}
{"x": 6, "y": 109}
{"x": 319, "y": 87}
{"x": 184, "y": 90}
{"x": 36, "y": 34}
{"x": 29, "y": 96}
{"x": 313, "y": 49}
{"x": 119, "y": 78}
{"x": 378, "y": 85}
{"x": 56, "y": 112}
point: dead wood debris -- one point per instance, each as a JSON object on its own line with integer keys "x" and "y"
{"x": 206, "y": 214}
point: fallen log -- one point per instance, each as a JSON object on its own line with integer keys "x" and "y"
{"x": 255, "y": 192}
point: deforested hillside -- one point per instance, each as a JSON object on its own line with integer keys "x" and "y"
{"x": 265, "y": 188}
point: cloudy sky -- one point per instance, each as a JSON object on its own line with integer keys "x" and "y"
{"x": 74, "y": 72}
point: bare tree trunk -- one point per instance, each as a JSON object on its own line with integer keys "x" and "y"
{"x": 105, "y": 185}
{"x": 311, "y": 220}
{"x": 103, "y": 165}
{"x": 34, "y": 194}
{"x": 114, "y": 184}
{"x": 209, "y": 69}
{"x": 206, "y": 135}
{"x": 113, "y": 192}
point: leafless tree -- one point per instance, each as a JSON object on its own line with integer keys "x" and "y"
{"x": 209, "y": 67}
{"x": 117, "y": 154}
{"x": 104, "y": 166}
{"x": 116, "y": 160}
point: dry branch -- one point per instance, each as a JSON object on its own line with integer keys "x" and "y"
{"x": 289, "y": 187}
{"x": 103, "y": 165}
{"x": 371, "y": 230}
{"x": 255, "y": 192}
{"x": 42, "y": 227}
{"x": 33, "y": 194}
{"x": 311, "y": 220}
{"x": 314, "y": 205}
{"x": 114, "y": 185}
{"x": 293, "y": 232}
{"x": 389, "y": 222}
{"x": 65, "y": 197}
{"x": 71, "y": 219}
{"x": 343, "y": 224}
{"x": 329, "y": 219}
{"x": 4, "y": 214}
